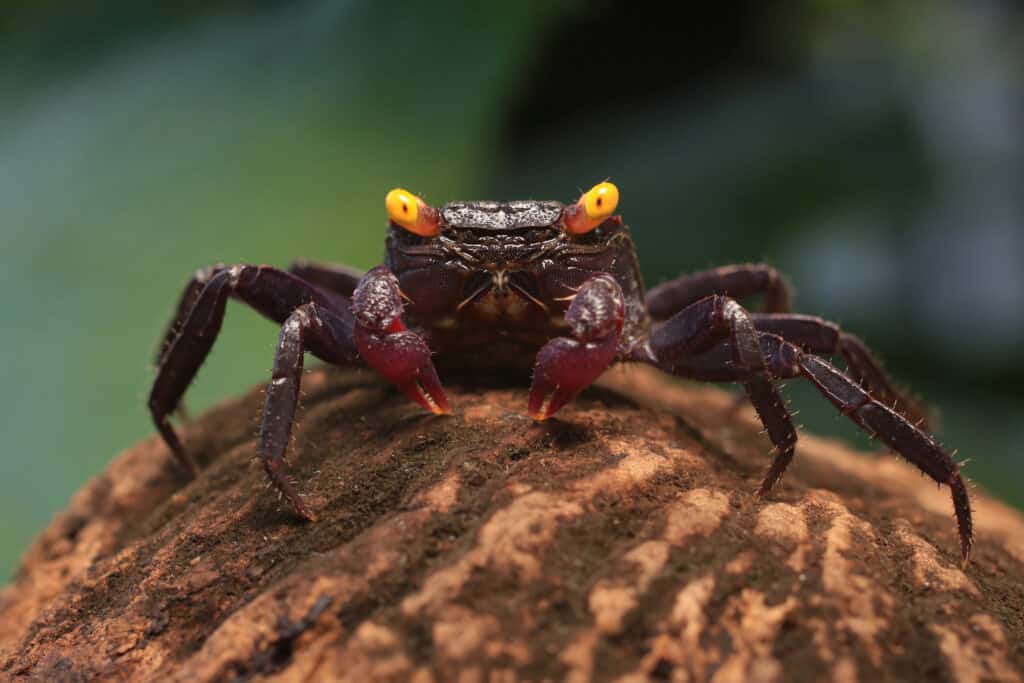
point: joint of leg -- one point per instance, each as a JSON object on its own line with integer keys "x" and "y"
{"x": 784, "y": 361}
{"x": 729, "y": 314}
{"x": 852, "y": 408}
{"x": 204, "y": 275}
{"x": 719, "y": 311}
{"x": 235, "y": 274}
{"x": 302, "y": 318}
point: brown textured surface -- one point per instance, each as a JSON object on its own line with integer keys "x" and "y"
{"x": 619, "y": 542}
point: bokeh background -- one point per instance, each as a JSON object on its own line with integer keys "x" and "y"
{"x": 875, "y": 151}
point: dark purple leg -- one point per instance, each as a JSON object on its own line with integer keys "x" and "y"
{"x": 369, "y": 329}
{"x": 335, "y": 278}
{"x": 189, "y": 295}
{"x": 372, "y": 331}
{"x": 819, "y": 336}
{"x": 326, "y": 334}
{"x": 272, "y": 292}
{"x": 706, "y": 324}
{"x": 896, "y": 432}
{"x": 786, "y": 360}
{"x": 736, "y": 282}
{"x": 566, "y": 366}
{"x": 202, "y": 277}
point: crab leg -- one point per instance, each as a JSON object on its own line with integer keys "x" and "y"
{"x": 566, "y": 366}
{"x": 400, "y": 356}
{"x": 706, "y": 324}
{"x": 201, "y": 278}
{"x": 328, "y": 335}
{"x": 335, "y": 278}
{"x": 737, "y": 282}
{"x": 895, "y": 431}
{"x": 188, "y": 299}
{"x": 272, "y": 292}
{"x": 372, "y": 331}
{"x": 819, "y": 336}
{"x": 787, "y": 360}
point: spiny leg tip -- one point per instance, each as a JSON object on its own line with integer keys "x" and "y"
{"x": 189, "y": 467}
{"x": 303, "y": 512}
{"x": 966, "y": 553}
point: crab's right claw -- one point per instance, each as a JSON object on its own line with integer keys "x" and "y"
{"x": 403, "y": 359}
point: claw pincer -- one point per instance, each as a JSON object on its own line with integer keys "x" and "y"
{"x": 397, "y": 354}
{"x": 566, "y": 366}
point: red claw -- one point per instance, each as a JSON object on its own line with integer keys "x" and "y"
{"x": 565, "y": 367}
{"x": 426, "y": 390}
{"x": 403, "y": 359}
{"x": 397, "y": 354}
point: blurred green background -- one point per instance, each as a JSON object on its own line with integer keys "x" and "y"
{"x": 874, "y": 151}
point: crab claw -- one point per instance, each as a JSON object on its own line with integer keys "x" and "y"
{"x": 395, "y": 353}
{"x": 566, "y": 366}
{"x": 403, "y": 359}
{"x": 425, "y": 389}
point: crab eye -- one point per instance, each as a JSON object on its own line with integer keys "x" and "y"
{"x": 596, "y": 204}
{"x": 412, "y": 213}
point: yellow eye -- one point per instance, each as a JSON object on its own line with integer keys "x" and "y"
{"x": 596, "y": 204}
{"x": 412, "y": 213}
{"x": 402, "y": 207}
{"x": 601, "y": 200}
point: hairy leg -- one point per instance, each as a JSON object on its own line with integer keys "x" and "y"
{"x": 708, "y": 323}
{"x": 272, "y": 292}
{"x": 188, "y": 298}
{"x": 371, "y": 331}
{"x": 787, "y": 360}
{"x": 197, "y": 283}
{"x": 567, "y": 365}
{"x": 329, "y": 336}
{"x": 736, "y": 282}
{"x": 368, "y": 330}
{"x": 819, "y": 336}
{"x": 335, "y": 278}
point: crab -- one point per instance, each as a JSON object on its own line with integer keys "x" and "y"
{"x": 486, "y": 284}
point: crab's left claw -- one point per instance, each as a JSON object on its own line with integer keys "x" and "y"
{"x": 397, "y": 354}
{"x": 566, "y": 366}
